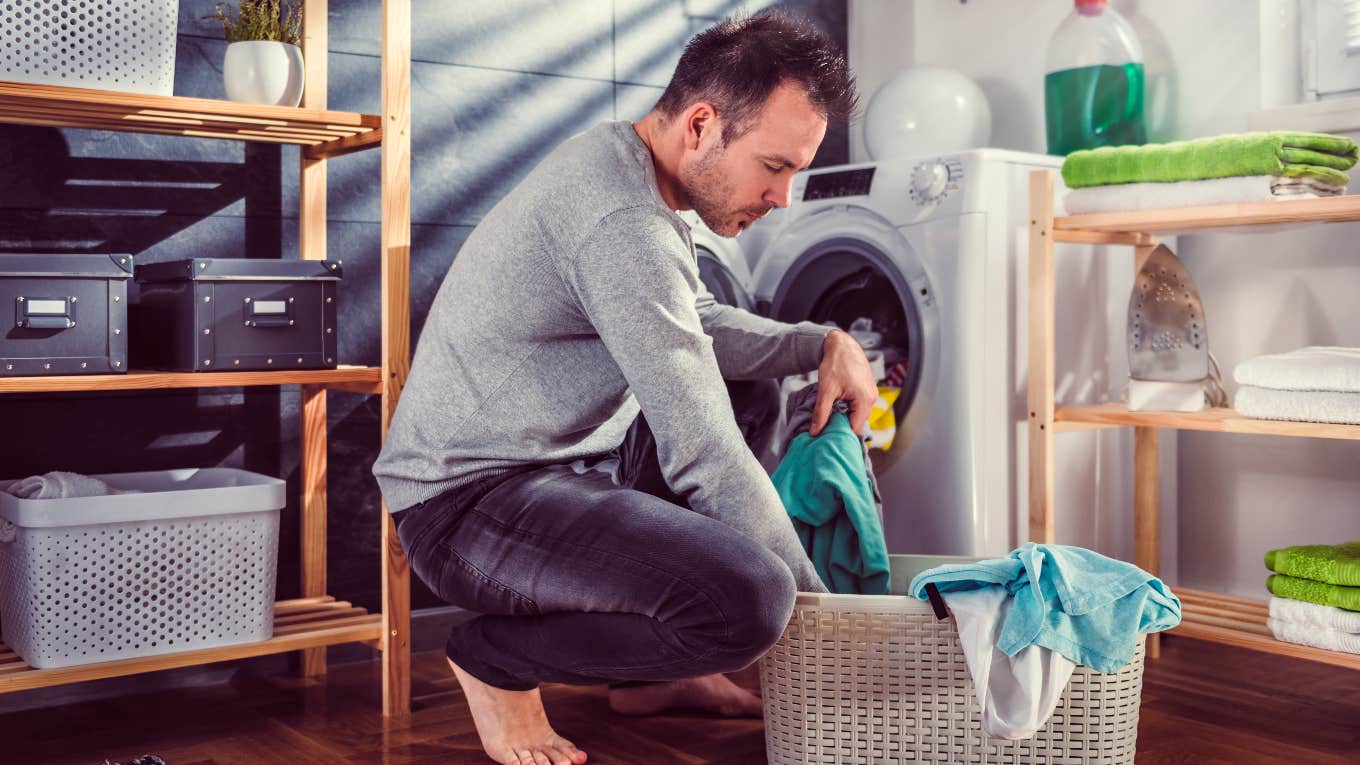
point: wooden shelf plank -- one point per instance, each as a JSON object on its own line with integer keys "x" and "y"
{"x": 345, "y": 145}
{"x": 1104, "y": 237}
{"x": 1219, "y": 419}
{"x": 1325, "y": 210}
{"x": 1264, "y": 643}
{"x": 1241, "y": 622}
{"x": 1253, "y": 606}
{"x": 346, "y": 377}
{"x": 60, "y": 106}
{"x": 341, "y": 627}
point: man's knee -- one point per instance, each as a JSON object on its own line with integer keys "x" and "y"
{"x": 754, "y": 593}
{"x": 758, "y": 627}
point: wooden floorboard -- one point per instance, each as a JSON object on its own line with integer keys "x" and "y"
{"x": 1202, "y": 703}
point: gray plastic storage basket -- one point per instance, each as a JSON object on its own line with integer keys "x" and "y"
{"x": 188, "y": 563}
{"x": 879, "y": 680}
{"x": 123, "y": 45}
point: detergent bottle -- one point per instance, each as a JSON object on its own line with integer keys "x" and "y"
{"x": 1094, "y": 84}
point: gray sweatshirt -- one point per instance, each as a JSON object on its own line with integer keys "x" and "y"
{"x": 575, "y": 303}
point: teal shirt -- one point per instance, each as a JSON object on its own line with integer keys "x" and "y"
{"x": 825, "y": 487}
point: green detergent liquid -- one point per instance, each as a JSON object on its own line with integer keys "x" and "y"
{"x": 1094, "y": 106}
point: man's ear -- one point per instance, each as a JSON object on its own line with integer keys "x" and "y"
{"x": 699, "y": 119}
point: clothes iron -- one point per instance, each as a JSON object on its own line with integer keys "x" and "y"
{"x": 1169, "y": 361}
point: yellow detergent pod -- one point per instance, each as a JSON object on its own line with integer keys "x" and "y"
{"x": 882, "y": 421}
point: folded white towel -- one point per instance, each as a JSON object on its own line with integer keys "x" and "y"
{"x": 1211, "y": 191}
{"x": 58, "y": 484}
{"x": 1318, "y": 637}
{"x": 1298, "y": 405}
{"x": 1315, "y": 615}
{"x": 1317, "y": 367}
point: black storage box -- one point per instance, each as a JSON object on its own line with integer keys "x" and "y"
{"x": 211, "y": 314}
{"x": 70, "y": 313}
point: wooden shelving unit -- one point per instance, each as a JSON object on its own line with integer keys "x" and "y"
{"x": 1205, "y": 615}
{"x": 315, "y": 620}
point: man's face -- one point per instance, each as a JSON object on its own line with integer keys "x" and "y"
{"x": 732, "y": 186}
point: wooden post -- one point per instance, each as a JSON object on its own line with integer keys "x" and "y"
{"x": 396, "y": 329}
{"x": 1146, "y": 486}
{"x": 312, "y": 179}
{"x": 1041, "y": 357}
{"x": 312, "y": 246}
{"x": 1146, "y": 491}
{"x": 312, "y": 536}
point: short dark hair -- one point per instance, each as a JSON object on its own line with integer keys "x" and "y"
{"x": 737, "y": 63}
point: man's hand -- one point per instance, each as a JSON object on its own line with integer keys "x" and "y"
{"x": 844, "y": 374}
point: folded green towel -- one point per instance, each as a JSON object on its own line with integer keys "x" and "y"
{"x": 1333, "y": 564}
{"x": 1313, "y": 155}
{"x": 1314, "y": 592}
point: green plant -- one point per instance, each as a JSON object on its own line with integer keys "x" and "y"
{"x": 261, "y": 20}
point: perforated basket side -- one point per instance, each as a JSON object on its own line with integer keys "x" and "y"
{"x": 86, "y": 594}
{"x": 124, "y": 45}
{"x": 880, "y": 686}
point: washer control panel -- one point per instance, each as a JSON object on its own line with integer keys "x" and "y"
{"x": 842, "y": 183}
{"x": 935, "y": 179}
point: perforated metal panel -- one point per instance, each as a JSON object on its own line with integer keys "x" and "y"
{"x": 124, "y": 45}
{"x": 83, "y": 594}
{"x": 885, "y": 685}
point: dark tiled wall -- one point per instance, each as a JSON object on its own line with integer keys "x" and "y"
{"x": 495, "y": 86}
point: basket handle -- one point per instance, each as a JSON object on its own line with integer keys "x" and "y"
{"x": 936, "y": 602}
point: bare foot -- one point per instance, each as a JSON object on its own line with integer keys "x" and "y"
{"x": 711, "y": 693}
{"x": 513, "y": 726}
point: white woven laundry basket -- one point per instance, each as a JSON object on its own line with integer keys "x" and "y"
{"x": 879, "y": 680}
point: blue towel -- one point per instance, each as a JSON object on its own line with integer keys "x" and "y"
{"x": 827, "y": 491}
{"x": 1083, "y": 605}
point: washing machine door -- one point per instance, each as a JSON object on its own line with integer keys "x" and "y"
{"x": 846, "y": 262}
{"x": 725, "y": 276}
{"x": 723, "y": 268}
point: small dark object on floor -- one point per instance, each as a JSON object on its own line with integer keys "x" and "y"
{"x": 146, "y": 759}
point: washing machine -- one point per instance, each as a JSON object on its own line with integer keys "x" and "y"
{"x": 723, "y": 263}
{"x": 933, "y": 251}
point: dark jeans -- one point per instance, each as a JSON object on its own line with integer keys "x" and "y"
{"x": 582, "y": 581}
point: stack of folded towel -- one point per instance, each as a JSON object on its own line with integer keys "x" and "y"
{"x": 1247, "y": 167}
{"x": 1317, "y": 595}
{"x": 1314, "y": 384}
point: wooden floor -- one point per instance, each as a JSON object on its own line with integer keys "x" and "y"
{"x": 1202, "y": 704}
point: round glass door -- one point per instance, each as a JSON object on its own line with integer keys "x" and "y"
{"x": 843, "y": 280}
{"x": 719, "y": 279}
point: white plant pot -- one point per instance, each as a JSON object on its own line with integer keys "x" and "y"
{"x": 263, "y": 72}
